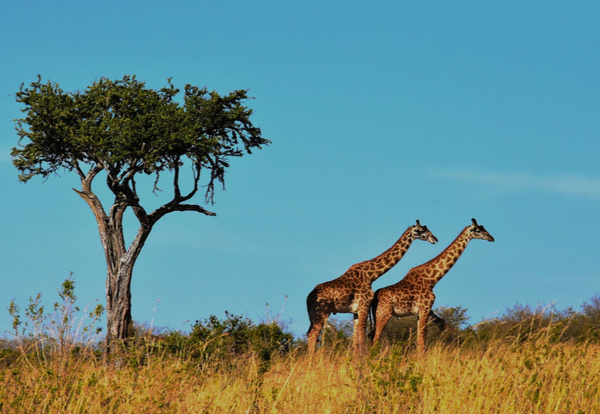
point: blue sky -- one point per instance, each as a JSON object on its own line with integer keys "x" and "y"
{"x": 379, "y": 113}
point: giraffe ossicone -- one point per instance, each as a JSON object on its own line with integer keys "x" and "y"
{"x": 352, "y": 292}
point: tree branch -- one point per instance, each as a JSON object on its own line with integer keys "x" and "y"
{"x": 196, "y": 170}
{"x": 171, "y": 207}
{"x": 177, "y": 197}
{"x": 86, "y": 191}
{"x": 193, "y": 207}
{"x": 176, "y": 191}
{"x": 78, "y": 169}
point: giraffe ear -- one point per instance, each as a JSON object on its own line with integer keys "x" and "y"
{"x": 474, "y": 221}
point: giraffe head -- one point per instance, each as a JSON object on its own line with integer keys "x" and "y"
{"x": 478, "y": 232}
{"x": 422, "y": 233}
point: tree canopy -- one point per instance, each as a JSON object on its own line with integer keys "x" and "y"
{"x": 124, "y": 128}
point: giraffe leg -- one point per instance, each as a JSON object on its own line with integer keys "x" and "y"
{"x": 422, "y": 331}
{"x": 317, "y": 314}
{"x": 316, "y": 326}
{"x": 321, "y": 337}
{"x": 383, "y": 313}
{"x": 360, "y": 327}
{"x": 354, "y": 331}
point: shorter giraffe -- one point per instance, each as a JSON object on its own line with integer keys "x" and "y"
{"x": 352, "y": 292}
{"x": 414, "y": 295}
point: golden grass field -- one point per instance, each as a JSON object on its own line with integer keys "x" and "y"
{"x": 534, "y": 376}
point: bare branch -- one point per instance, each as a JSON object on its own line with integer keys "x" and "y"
{"x": 78, "y": 169}
{"x": 196, "y": 171}
{"x": 193, "y": 207}
{"x": 177, "y": 197}
{"x": 171, "y": 207}
{"x": 177, "y": 192}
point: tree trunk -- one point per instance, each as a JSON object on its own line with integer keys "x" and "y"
{"x": 118, "y": 290}
{"x": 118, "y": 309}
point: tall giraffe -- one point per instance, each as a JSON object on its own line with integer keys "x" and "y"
{"x": 352, "y": 292}
{"x": 414, "y": 295}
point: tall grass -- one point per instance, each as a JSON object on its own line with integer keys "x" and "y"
{"x": 534, "y": 376}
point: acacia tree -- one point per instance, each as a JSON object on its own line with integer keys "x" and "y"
{"x": 121, "y": 130}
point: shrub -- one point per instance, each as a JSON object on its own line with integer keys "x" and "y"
{"x": 236, "y": 335}
{"x": 59, "y": 332}
{"x": 212, "y": 341}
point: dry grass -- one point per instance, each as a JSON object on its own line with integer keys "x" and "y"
{"x": 531, "y": 377}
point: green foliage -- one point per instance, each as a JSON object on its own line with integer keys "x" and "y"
{"x": 455, "y": 317}
{"x": 213, "y": 341}
{"x": 236, "y": 335}
{"x": 126, "y": 128}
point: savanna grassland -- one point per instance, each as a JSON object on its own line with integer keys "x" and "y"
{"x": 527, "y": 361}
{"x": 531, "y": 377}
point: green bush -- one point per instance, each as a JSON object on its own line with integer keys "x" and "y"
{"x": 213, "y": 340}
{"x": 236, "y": 335}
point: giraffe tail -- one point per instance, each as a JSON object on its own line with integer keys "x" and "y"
{"x": 372, "y": 315}
{"x": 311, "y": 301}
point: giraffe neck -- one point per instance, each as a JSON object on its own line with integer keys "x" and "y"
{"x": 388, "y": 259}
{"x": 443, "y": 262}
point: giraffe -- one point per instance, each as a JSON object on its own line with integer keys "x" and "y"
{"x": 414, "y": 295}
{"x": 352, "y": 292}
